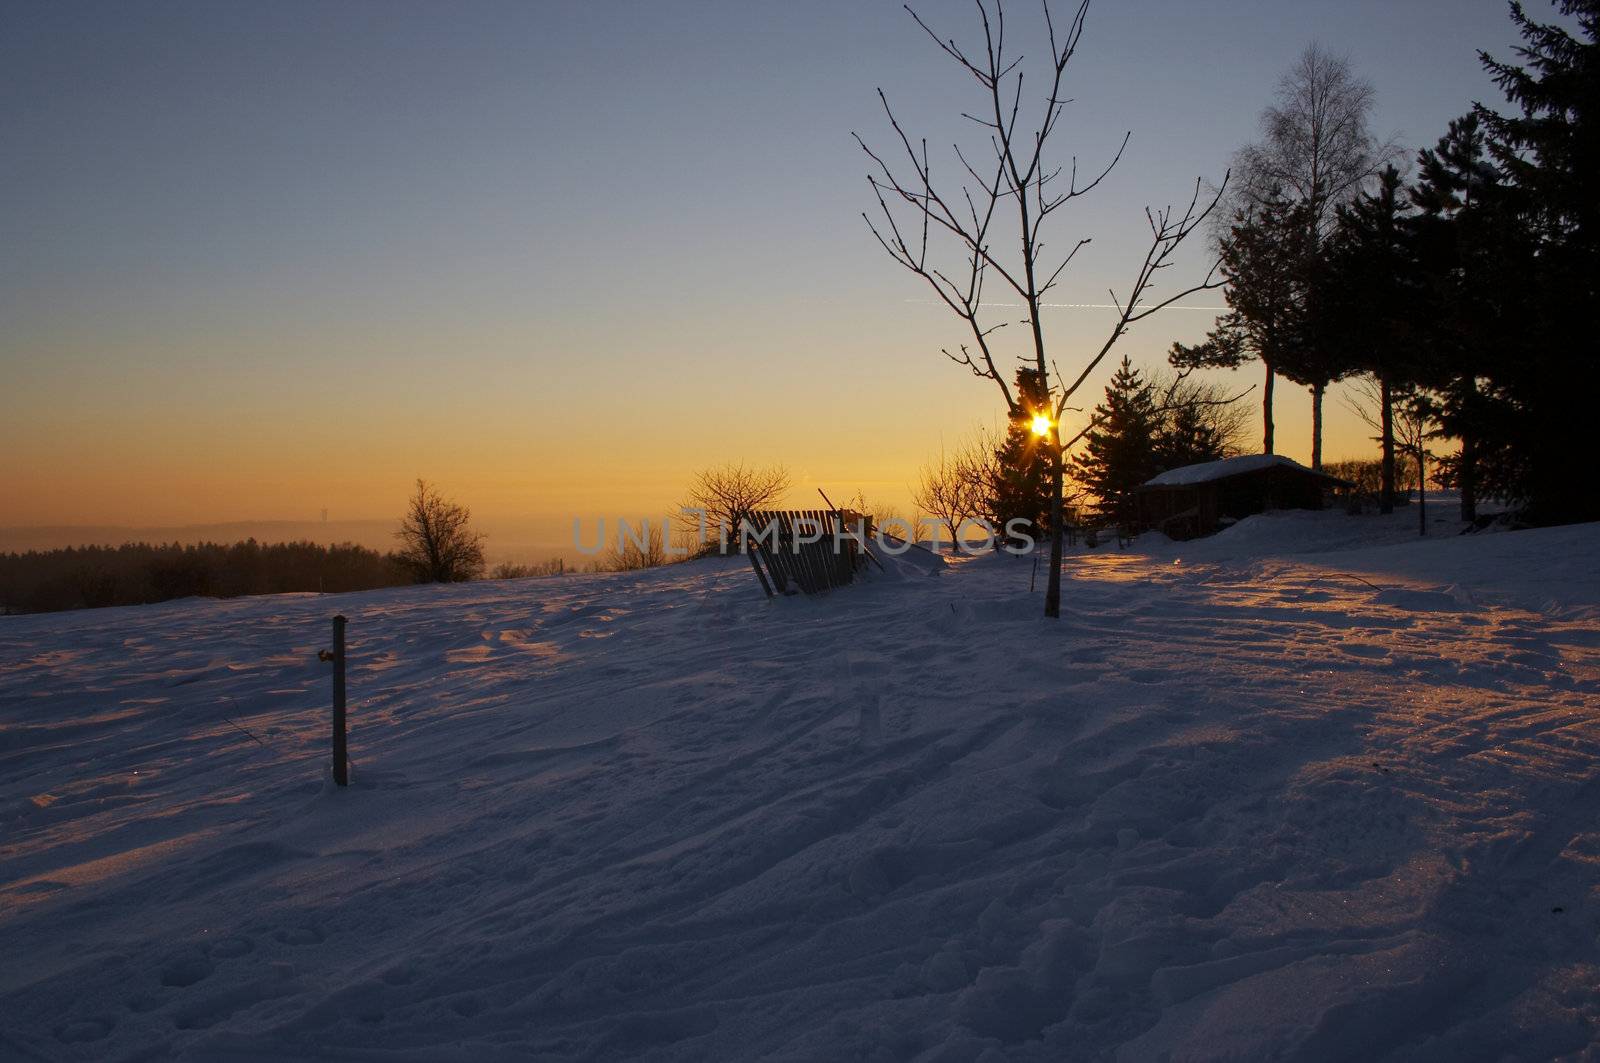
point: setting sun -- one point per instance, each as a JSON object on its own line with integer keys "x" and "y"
{"x": 1041, "y": 424}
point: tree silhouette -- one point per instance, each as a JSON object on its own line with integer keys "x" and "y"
{"x": 1266, "y": 259}
{"x": 1366, "y": 301}
{"x": 1316, "y": 153}
{"x": 727, "y": 494}
{"x": 1020, "y": 482}
{"x": 437, "y": 541}
{"x": 948, "y": 232}
{"x": 1119, "y": 452}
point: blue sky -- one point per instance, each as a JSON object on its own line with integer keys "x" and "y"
{"x": 556, "y": 254}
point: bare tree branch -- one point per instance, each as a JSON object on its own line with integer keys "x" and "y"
{"x": 963, "y": 212}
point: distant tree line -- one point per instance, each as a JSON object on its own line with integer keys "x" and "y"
{"x": 512, "y": 570}
{"x": 1367, "y": 476}
{"x": 437, "y": 544}
{"x": 140, "y": 573}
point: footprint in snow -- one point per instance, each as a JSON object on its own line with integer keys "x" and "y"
{"x": 230, "y": 947}
{"x": 185, "y": 971}
{"x": 83, "y": 1031}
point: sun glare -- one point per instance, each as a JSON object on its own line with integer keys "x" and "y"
{"x": 1041, "y": 424}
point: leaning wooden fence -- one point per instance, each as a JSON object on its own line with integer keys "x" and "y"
{"x": 807, "y": 550}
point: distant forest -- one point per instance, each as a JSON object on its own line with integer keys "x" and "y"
{"x": 88, "y": 577}
{"x": 139, "y": 573}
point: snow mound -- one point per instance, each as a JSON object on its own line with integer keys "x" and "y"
{"x": 1551, "y": 571}
{"x": 1283, "y": 532}
{"x": 902, "y": 560}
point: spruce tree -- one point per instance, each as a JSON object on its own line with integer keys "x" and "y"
{"x": 1020, "y": 481}
{"x": 1185, "y": 436}
{"x": 1265, "y": 258}
{"x": 1366, "y": 299}
{"x": 1549, "y": 153}
{"x": 1119, "y": 452}
{"x": 1471, "y": 263}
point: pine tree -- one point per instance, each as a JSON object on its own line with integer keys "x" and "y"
{"x": 1317, "y": 154}
{"x": 1549, "y": 154}
{"x": 1119, "y": 452}
{"x": 1551, "y": 151}
{"x": 1365, "y": 300}
{"x": 1472, "y": 264}
{"x": 1184, "y": 436}
{"x": 1265, "y": 258}
{"x": 1020, "y": 480}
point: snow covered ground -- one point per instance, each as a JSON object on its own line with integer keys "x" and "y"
{"x": 1252, "y": 798}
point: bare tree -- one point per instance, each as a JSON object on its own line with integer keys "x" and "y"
{"x": 946, "y": 232}
{"x": 1316, "y": 146}
{"x": 954, "y": 490}
{"x": 1209, "y": 403}
{"x": 728, "y": 493}
{"x": 1413, "y": 422}
{"x": 641, "y": 548}
{"x": 437, "y": 541}
{"x": 877, "y": 512}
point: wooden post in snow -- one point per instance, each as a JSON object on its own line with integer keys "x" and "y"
{"x": 341, "y": 756}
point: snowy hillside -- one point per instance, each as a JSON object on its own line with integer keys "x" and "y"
{"x": 1244, "y": 801}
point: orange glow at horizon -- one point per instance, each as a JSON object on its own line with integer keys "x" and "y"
{"x": 360, "y": 257}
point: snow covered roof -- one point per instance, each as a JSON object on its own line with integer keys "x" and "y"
{"x": 1208, "y": 471}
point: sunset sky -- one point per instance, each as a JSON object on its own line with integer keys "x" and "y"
{"x": 262, "y": 259}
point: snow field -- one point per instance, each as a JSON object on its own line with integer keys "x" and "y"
{"x": 1242, "y": 801}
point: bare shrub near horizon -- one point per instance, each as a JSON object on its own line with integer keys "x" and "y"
{"x": 1414, "y": 423}
{"x": 437, "y": 541}
{"x": 721, "y": 496}
{"x": 640, "y": 548}
{"x": 511, "y": 570}
{"x": 1367, "y": 475}
{"x": 955, "y": 490}
{"x": 878, "y": 514}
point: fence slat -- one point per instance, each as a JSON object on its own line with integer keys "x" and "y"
{"x": 814, "y": 567}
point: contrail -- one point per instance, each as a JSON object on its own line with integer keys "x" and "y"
{"x": 1076, "y": 306}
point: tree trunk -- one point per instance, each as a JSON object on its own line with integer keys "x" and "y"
{"x": 1422, "y": 490}
{"x": 1386, "y": 418}
{"x": 1266, "y": 414}
{"x": 1052, "y": 594}
{"x": 1469, "y": 449}
{"x": 1317, "y": 391}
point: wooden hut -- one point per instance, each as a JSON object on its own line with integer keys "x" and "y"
{"x": 1196, "y": 500}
